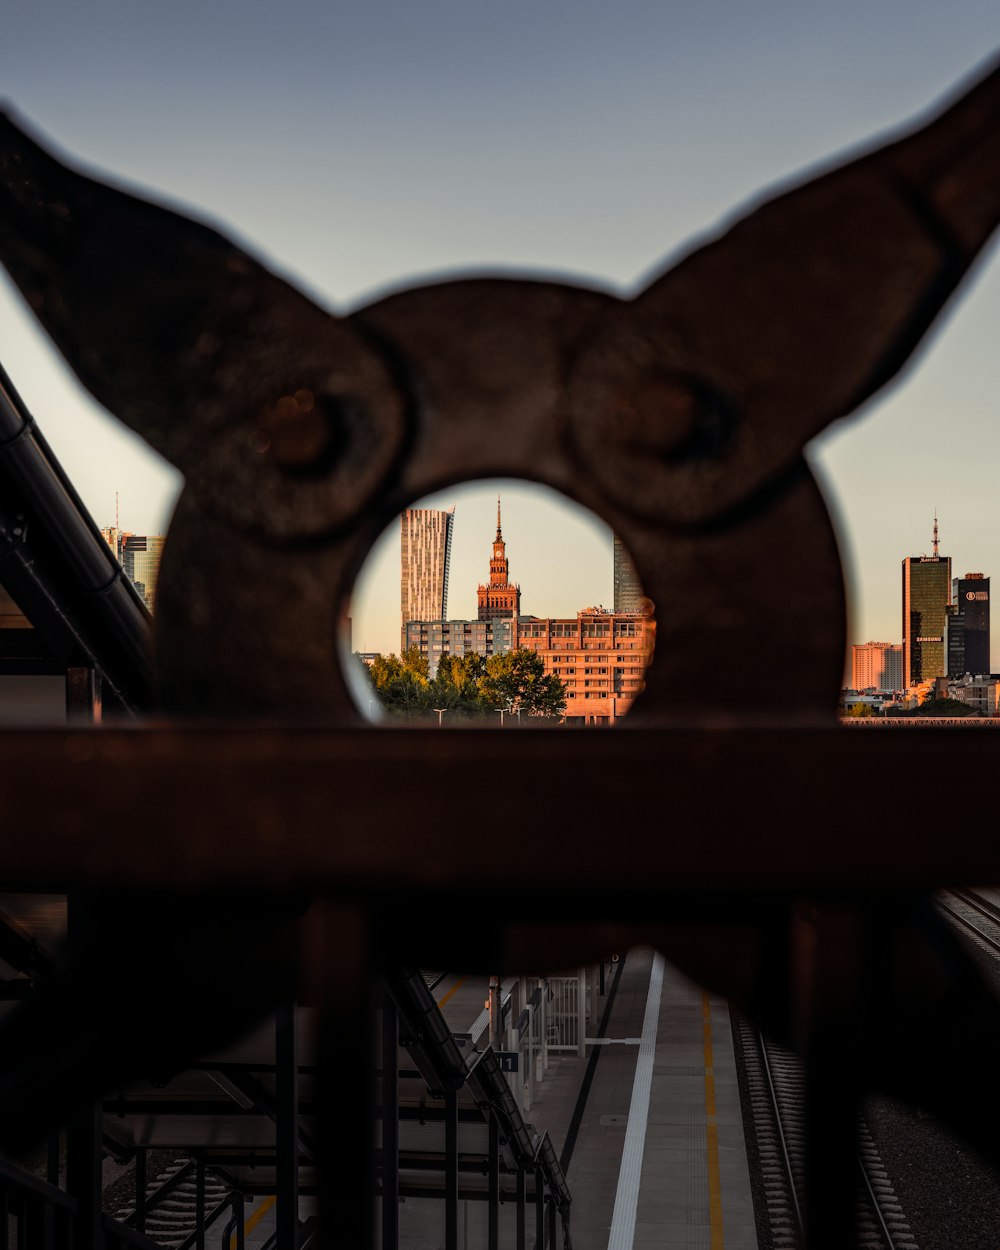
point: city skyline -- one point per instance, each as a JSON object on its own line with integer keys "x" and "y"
{"x": 593, "y": 148}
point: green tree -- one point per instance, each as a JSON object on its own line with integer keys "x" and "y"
{"x": 516, "y": 681}
{"x": 402, "y": 683}
{"x": 945, "y": 707}
{"x": 456, "y": 687}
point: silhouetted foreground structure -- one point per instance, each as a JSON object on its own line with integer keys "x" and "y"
{"x": 680, "y": 417}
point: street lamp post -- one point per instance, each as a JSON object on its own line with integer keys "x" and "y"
{"x": 501, "y": 710}
{"x": 440, "y": 711}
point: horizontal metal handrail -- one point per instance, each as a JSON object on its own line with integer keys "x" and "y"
{"x": 268, "y": 797}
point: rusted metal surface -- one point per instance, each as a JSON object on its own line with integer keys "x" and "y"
{"x": 666, "y": 810}
{"x": 680, "y": 417}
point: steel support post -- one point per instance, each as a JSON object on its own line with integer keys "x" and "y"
{"x": 345, "y": 1081}
{"x": 49, "y": 1213}
{"x": 83, "y": 1177}
{"x": 539, "y": 1210}
{"x": 552, "y": 1223}
{"x": 239, "y": 1222}
{"x": 493, "y": 1237}
{"x": 140, "y": 1192}
{"x": 581, "y": 1012}
{"x": 390, "y": 1126}
{"x": 83, "y": 696}
{"x": 828, "y": 966}
{"x": 199, "y": 1205}
{"x": 451, "y": 1170}
{"x": 543, "y": 1025}
{"x": 286, "y": 1127}
{"x": 520, "y": 1244}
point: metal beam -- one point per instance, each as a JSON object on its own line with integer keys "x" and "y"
{"x": 493, "y": 1214}
{"x": 390, "y": 1124}
{"x": 234, "y": 774}
{"x": 287, "y": 1127}
{"x": 451, "y": 1170}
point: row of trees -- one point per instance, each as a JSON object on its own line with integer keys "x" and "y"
{"x": 930, "y": 707}
{"x": 466, "y": 686}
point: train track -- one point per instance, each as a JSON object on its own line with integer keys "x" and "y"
{"x": 977, "y": 913}
{"x": 775, "y": 1079}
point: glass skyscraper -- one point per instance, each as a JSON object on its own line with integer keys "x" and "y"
{"x": 969, "y": 626}
{"x": 926, "y": 598}
{"x": 628, "y": 596}
{"x": 424, "y": 558}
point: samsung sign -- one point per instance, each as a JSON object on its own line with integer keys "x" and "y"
{"x": 928, "y": 640}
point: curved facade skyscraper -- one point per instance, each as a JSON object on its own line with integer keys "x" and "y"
{"x": 424, "y": 559}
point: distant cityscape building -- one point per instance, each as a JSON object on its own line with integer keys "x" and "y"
{"x": 437, "y": 638}
{"x": 500, "y": 598}
{"x": 628, "y": 593}
{"x": 926, "y": 598}
{"x": 981, "y": 692}
{"x": 424, "y": 561}
{"x": 599, "y": 656}
{"x": 876, "y": 666}
{"x": 968, "y": 626}
{"x": 140, "y": 558}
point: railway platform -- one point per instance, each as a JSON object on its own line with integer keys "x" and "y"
{"x": 647, "y": 1125}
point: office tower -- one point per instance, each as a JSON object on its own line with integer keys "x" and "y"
{"x": 140, "y": 557}
{"x": 876, "y": 666}
{"x": 424, "y": 559}
{"x": 500, "y": 598}
{"x": 627, "y": 589}
{"x": 969, "y": 626}
{"x": 926, "y": 597}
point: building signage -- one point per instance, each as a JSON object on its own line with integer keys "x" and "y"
{"x": 977, "y": 594}
{"x": 928, "y": 640}
{"x": 930, "y": 559}
{"x": 507, "y": 1059}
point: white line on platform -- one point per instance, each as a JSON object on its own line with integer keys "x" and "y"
{"x": 613, "y": 1041}
{"x": 627, "y": 1195}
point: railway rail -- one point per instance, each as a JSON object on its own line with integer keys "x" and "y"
{"x": 775, "y": 1081}
{"x": 977, "y": 912}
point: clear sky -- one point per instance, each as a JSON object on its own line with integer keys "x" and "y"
{"x": 365, "y": 145}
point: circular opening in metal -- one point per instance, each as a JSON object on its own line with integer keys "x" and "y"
{"x": 498, "y": 603}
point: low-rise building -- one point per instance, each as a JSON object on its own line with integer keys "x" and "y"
{"x": 437, "y": 638}
{"x": 599, "y": 655}
{"x": 981, "y": 692}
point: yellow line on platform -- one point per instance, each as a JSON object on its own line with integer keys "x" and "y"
{"x": 254, "y": 1219}
{"x": 458, "y": 984}
{"x": 711, "y": 1131}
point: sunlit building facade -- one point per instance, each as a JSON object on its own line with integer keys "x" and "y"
{"x": 599, "y": 655}
{"x": 500, "y": 598}
{"x": 876, "y": 666}
{"x": 424, "y": 560}
{"x": 926, "y": 596}
{"x": 140, "y": 557}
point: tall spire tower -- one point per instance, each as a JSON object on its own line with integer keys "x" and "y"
{"x": 936, "y": 545}
{"x": 500, "y": 598}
